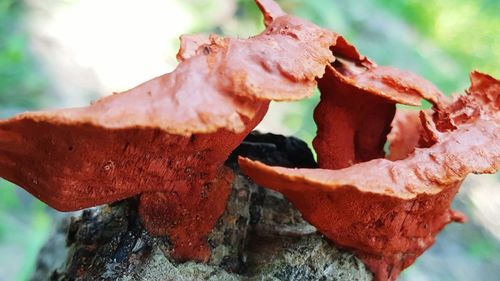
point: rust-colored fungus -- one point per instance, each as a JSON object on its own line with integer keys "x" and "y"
{"x": 405, "y": 134}
{"x": 166, "y": 140}
{"x": 389, "y": 212}
{"x": 358, "y": 98}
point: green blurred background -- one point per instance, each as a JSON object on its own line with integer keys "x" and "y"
{"x": 56, "y": 53}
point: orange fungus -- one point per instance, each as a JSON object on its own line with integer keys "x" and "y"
{"x": 166, "y": 140}
{"x": 390, "y": 211}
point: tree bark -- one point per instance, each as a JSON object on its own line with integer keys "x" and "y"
{"x": 261, "y": 236}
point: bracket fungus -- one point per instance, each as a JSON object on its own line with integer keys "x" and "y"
{"x": 166, "y": 140}
{"x": 358, "y": 98}
{"x": 389, "y": 211}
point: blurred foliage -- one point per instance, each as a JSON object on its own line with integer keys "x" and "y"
{"x": 21, "y": 85}
{"x": 24, "y": 222}
{"x": 440, "y": 40}
{"x": 24, "y": 226}
{"x": 467, "y": 30}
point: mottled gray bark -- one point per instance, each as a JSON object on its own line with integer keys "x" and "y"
{"x": 259, "y": 237}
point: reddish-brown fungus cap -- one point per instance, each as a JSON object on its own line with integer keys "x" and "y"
{"x": 358, "y": 103}
{"x": 389, "y": 212}
{"x": 483, "y": 99}
{"x": 410, "y": 129}
{"x": 405, "y": 134}
{"x": 171, "y": 134}
{"x": 187, "y": 215}
{"x": 75, "y": 158}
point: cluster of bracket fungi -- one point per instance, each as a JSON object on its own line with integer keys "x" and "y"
{"x": 166, "y": 141}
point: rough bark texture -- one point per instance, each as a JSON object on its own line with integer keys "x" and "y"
{"x": 259, "y": 237}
